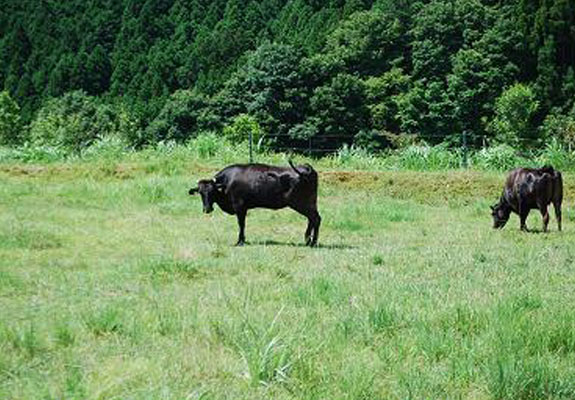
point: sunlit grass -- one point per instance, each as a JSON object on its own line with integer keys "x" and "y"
{"x": 113, "y": 284}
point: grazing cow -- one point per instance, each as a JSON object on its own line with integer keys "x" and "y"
{"x": 240, "y": 187}
{"x": 528, "y": 188}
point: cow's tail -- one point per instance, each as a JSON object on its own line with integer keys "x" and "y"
{"x": 297, "y": 171}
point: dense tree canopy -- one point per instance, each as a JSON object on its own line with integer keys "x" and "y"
{"x": 334, "y": 70}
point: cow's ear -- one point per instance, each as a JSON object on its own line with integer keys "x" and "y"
{"x": 193, "y": 191}
{"x": 492, "y": 208}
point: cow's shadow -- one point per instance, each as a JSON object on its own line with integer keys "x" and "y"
{"x": 294, "y": 244}
{"x": 540, "y": 231}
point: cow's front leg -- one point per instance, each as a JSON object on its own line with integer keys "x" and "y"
{"x": 545, "y": 214}
{"x": 242, "y": 224}
{"x": 523, "y": 213}
{"x": 522, "y": 221}
{"x": 522, "y": 224}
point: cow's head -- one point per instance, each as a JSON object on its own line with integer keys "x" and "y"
{"x": 209, "y": 191}
{"x": 500, "y": 213}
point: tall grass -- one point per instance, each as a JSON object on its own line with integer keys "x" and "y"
{"x": 554, "y": 153}
{"x": 208, "y": 147}
{"x": 423, "y": 157}
{"x": 499, "y": 158}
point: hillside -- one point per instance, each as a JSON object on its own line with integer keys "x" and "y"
{"x": 346, "y": 71}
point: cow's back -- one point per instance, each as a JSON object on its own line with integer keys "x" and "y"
{"x": 532, "y": 186}
{"x": 256, "y": 185}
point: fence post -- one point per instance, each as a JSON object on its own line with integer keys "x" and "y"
{"x": 464, "y": 140}
{"x": 251, "y": 146}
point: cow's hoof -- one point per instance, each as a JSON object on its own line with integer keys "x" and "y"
{"x": 240, "y": 244}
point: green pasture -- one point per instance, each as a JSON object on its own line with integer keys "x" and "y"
{"x": 114, "y": 285}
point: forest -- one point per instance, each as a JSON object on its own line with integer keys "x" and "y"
{"x": 370, "y": 73}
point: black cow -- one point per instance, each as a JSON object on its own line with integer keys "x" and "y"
{"x": 240, "y": 187}
{"x": 528, "y": 188}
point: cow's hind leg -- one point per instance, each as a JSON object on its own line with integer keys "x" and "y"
{"x": 557, "y": 207}
{"x": 308, "y": 231}
{"x": 545, "y": 214}
{"x": 242, "y": 223}
{"x": 316, "y": 220}
{"x": 313, "y": 222}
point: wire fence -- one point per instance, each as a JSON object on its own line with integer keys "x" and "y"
{"x": 330, "y": 144}
{"x": 323, "y": 144}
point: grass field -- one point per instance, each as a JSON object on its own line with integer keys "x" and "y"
{"x": 113, "y": 285}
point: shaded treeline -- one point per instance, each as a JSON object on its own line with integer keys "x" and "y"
{"x": 362, "y": 71}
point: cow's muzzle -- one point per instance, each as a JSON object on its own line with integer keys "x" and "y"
{"x": 208, "y": 209}
{"x": 499, "y": 224}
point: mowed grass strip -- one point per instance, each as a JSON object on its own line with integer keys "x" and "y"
{"x": 115, "y": 285}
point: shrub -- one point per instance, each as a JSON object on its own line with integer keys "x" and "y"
{"x": 371, "y": 140}
{"x": 72, "y": 122}
{"x": 240, "y": 129}
{"x": 10, "y": 126}
{"x": 76, "y": 121}
{"x": 206, "y": 144}
{"x": 514, "y": 111}
{"x": 304, "y": 131}
{"x": 561, "y": 127}
{"x": 179, "y": 118}
{"x": 128, "y": 127}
